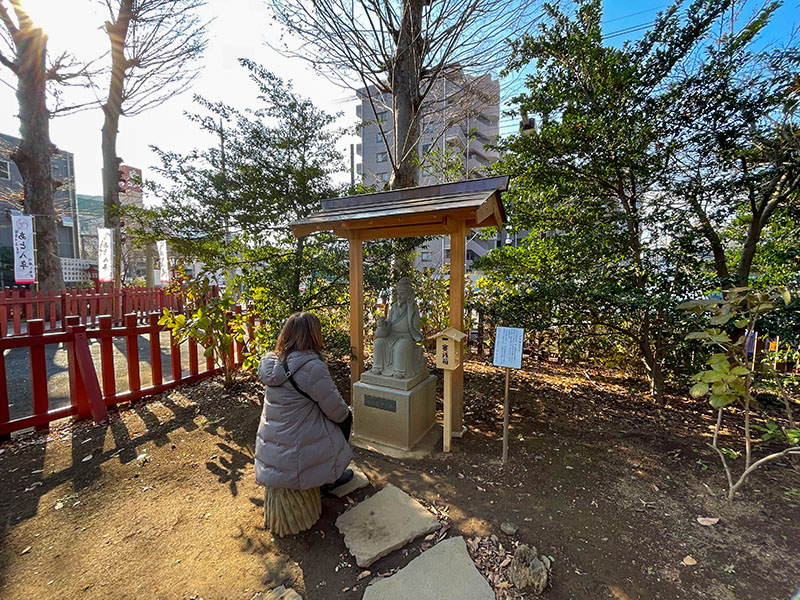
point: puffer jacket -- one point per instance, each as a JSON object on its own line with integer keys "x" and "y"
{"x": 298, "y": 444}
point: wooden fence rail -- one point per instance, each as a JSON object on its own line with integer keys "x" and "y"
{"x": 20, "y": 306}
{"x": 88, "y": 397}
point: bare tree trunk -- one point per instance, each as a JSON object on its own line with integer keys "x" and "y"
{"x": 406, "y": 95}
{"x": 112, "y": 109}
{"x": 35, "y": 153}
{"x": 651, "y": 360}
{"x": 296, "y": 273}
{"x": 748, "y": 251}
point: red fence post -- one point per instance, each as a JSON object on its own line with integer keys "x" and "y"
{"x": 64, "y": 309}
{"x": 107, "y": 358}
{"x": 77, "y": 389}
{"x": 89, "y": 377}
{"x": 38, "y": 362}
{"x": 132, "y": 352}
{"x": 193, "y": 366}
{"x": 155, "y": 349}
{"x": 5, "y": 414}
{"x": 175, "y": 357}
{"x": 3, "y": 315}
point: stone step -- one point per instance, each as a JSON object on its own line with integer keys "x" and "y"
{"x": 359, "y": 481}
{"x": 445, "y": 572}
{"x": 382, "y": 523}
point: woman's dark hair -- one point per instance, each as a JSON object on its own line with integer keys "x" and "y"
{"x": 302, "y": 331}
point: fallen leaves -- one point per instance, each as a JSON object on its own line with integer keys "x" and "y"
{"x": 689, "y": 561}
{"x": 708, "y": 521}
{"x": 492, "y": 559}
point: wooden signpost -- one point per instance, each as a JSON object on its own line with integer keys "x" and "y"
{"x": 507, "y": 354}
{"x": 449, "y": 344}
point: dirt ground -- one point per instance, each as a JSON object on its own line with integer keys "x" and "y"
{"x": 161, "y": 503}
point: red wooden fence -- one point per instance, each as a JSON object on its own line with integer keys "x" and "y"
{"x": 18, "y": 306}
{"x": 87, "y": 397}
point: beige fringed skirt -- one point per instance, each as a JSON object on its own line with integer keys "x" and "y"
{"x": 287, "y": 512}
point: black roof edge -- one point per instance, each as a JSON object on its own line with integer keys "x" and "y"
{"x": 488, "y": 184}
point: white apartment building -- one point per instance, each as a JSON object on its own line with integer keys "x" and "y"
{"x": 460, "y": 118}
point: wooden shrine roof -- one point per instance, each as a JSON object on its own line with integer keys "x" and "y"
{"x": 427, "y": 210}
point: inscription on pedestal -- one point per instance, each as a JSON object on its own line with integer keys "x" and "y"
{"x": 380, "y": 403}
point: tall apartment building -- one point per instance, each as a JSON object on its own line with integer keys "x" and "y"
{"x": 460, "y": 118}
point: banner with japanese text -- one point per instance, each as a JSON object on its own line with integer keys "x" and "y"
{"x": 105, "y": 254}
{"x": 163, "y": 261}
{"x": 24, "y": 261}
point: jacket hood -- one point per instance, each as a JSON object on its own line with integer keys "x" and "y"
{"x": 271, "y": 371}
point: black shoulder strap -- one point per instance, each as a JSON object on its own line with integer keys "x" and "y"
{"x": 293, "y": 382}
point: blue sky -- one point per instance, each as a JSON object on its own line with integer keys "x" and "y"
{"x": 624, "y": 20}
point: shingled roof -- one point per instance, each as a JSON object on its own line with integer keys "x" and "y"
{"x": 427, "y": 210}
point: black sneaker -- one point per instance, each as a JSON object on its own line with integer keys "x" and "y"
{"x": 343, "y": 478}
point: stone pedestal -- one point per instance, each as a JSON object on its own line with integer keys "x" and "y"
{"x": 394, "y": 416}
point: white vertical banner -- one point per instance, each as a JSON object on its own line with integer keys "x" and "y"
{"x": 163, "y": 261}
{"x": 105, "y": 254}
{"x": 24, "y": 262}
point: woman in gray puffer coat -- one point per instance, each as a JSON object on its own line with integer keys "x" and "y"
{"x": 301, "y": 441}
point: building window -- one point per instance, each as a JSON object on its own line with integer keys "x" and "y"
{"x": 472, "y": 256}
{"x": 447, "y": 253}
{"x": 5, "y": 169}
{"x": 425, "y": 256}
{"x": 383, "y": 177}
{"x": 381, "y": 157}
{"x": 425, "y": 148}
{"x": 379, "y": 138}
{"x": 383, "y": 116}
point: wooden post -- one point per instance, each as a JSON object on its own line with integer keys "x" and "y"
{"x": 447, "y": 417}
{"x": 155, "y": 349}
{"x": 5, "y": 413}
{"x": 132, "y": 352}
{"x": 107, "y": 357}
{"x": 38, "y": 365}
{"x": 506, "y": 418}
{"x": 356, "y": 308}
{"x": 458, "y": 240}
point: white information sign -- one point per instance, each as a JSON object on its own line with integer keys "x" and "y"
{"x": 508, "y": 347}
{"x": 163, "y": 260}
{"x": 105, "y": 254}
{"x": 24, "y": 263}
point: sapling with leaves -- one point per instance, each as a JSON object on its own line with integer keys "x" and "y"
{"x": 210, "y": 320}
{"x": 730, "y": 376}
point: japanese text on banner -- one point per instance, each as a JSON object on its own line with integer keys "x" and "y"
{"x": 105, "y": 254}
{"x": 24, "y": 263}
{"x": 162, "y": 259}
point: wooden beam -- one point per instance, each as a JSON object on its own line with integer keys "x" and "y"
{"x": 356, "y": 308}
{"x": 458, "y": 241}
{"x": 401, "y": 232}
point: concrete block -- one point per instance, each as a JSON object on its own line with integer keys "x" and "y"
{"x": 383, "y": 523}
{"x": 445, "y": 572}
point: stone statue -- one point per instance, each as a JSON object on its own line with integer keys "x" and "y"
{"x": 397, "y": 353}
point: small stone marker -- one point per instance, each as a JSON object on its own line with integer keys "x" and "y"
{"x": 445, "y": 572}
{"x": 358, "y": 481}
{"x": 382, "y": 523}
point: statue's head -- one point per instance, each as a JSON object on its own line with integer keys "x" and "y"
{"x": 404, "y": 290}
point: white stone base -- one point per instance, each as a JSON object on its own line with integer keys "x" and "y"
{"x": 397, "y": 418}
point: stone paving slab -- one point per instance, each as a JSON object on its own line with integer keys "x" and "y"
{"x": 279, "y": 593}
{"x": 382, "y": 523}
{"x": 358, "y": 482}
{"x": 445, "y": 572}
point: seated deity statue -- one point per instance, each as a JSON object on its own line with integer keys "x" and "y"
{"x": 396, "y": 351}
